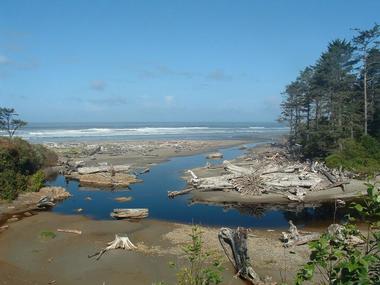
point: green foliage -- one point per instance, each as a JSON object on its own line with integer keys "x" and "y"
{"x": 203, "y": 267}
{"x": 361, "y": 156}
{"x": 9, "y": 122}
{"x": 47, "y": 235}
{"x": 20, "y": 166}
{"x": 336, "y": 98}
{"x": 11, "y": 184}
{"x": 340, "y": 261}
{"x": 36, "y": 181}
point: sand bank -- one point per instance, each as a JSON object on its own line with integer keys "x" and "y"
{"x": 26, "y": 258}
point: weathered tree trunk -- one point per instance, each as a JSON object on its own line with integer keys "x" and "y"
{"x": 118, "y": 242}
{"x": 237, "y": 240}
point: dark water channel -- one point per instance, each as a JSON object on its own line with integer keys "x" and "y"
{"x": 166, "y": 176}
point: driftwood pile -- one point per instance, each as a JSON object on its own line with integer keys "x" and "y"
{"x": 103, "y": 175}
{"x": 269, "y": 174}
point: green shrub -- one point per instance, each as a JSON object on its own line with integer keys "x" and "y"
{"x": 203, "y": 267}
{"x": 361, "y": 156}
{"x": 20, "y": 165}
{"x": 36, "y": 181}
{"x": 47, "y": 235}
{"x": 11, "y": 184}
{"x": 339, "y": 261}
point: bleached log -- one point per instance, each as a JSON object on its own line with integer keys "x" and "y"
{"x": 78, "y": 232}
{"x": 237, "y": 169}
{"x": 298, "y": 195}
{"x": 214, "y": 183}
{"x": 130, "y": 213}
{"x": 280, "y": 169}
{"x": 3, "y": 228}
{"x": 172, "y": 194}
{"x": 215, "y": 155}
{"x": 103, "y": 168}
{"x": 193, "y": 174}
{"x": 119, "y": 242}
{"x": 291, "y": 183}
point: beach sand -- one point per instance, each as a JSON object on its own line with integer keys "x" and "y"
{"x": 26, "y": 258}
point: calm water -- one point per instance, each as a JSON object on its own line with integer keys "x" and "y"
{"x": 152, "y": 194}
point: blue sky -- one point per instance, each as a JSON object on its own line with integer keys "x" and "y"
{"x": 77, "y": 60}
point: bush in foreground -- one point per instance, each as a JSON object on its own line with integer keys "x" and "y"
{"x": 338, "y": 259}
{"x": 20, "y": 166}
{"x": 203, "y": 267}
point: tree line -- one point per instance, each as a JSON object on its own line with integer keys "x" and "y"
{"x": 338, "y": 97}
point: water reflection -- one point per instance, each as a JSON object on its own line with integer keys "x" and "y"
{"x": 152, "y": 194}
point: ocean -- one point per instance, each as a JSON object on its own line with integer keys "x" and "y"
{"x": 60, "y": 132}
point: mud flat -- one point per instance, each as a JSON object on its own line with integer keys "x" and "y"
{"x": 28, "y": 258}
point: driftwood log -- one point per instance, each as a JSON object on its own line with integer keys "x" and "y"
{"x": 214, "y": 155}
{"x": 78, "y": 232}
{"x": 130, "y": 213}
{"x": 121, "y": 242}
{"x": 238, "y": 252}
{"x": 172, "y": 194}
{"x": 103, "y": 168}
{"x": 45, "y": 203}
{"x": 292, "y": 237}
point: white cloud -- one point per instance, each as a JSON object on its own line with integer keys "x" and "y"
{"x": 98, "y": 85}
{"x": 218, "y": 75}
{"x": 169, "y": 99}
{"x": 4, "y": 59}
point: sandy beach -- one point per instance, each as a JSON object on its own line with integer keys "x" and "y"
{"x": 26, "y": 258}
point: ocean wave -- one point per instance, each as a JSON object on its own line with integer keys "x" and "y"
{"x": 63, "y": 133}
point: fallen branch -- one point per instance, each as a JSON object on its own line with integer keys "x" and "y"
{"x": 172, "y": 194}
{"x": 118, "y": 242}
{"x": 78, "y": 232}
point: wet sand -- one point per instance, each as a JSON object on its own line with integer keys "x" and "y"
{"x": 26, "y": 258}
